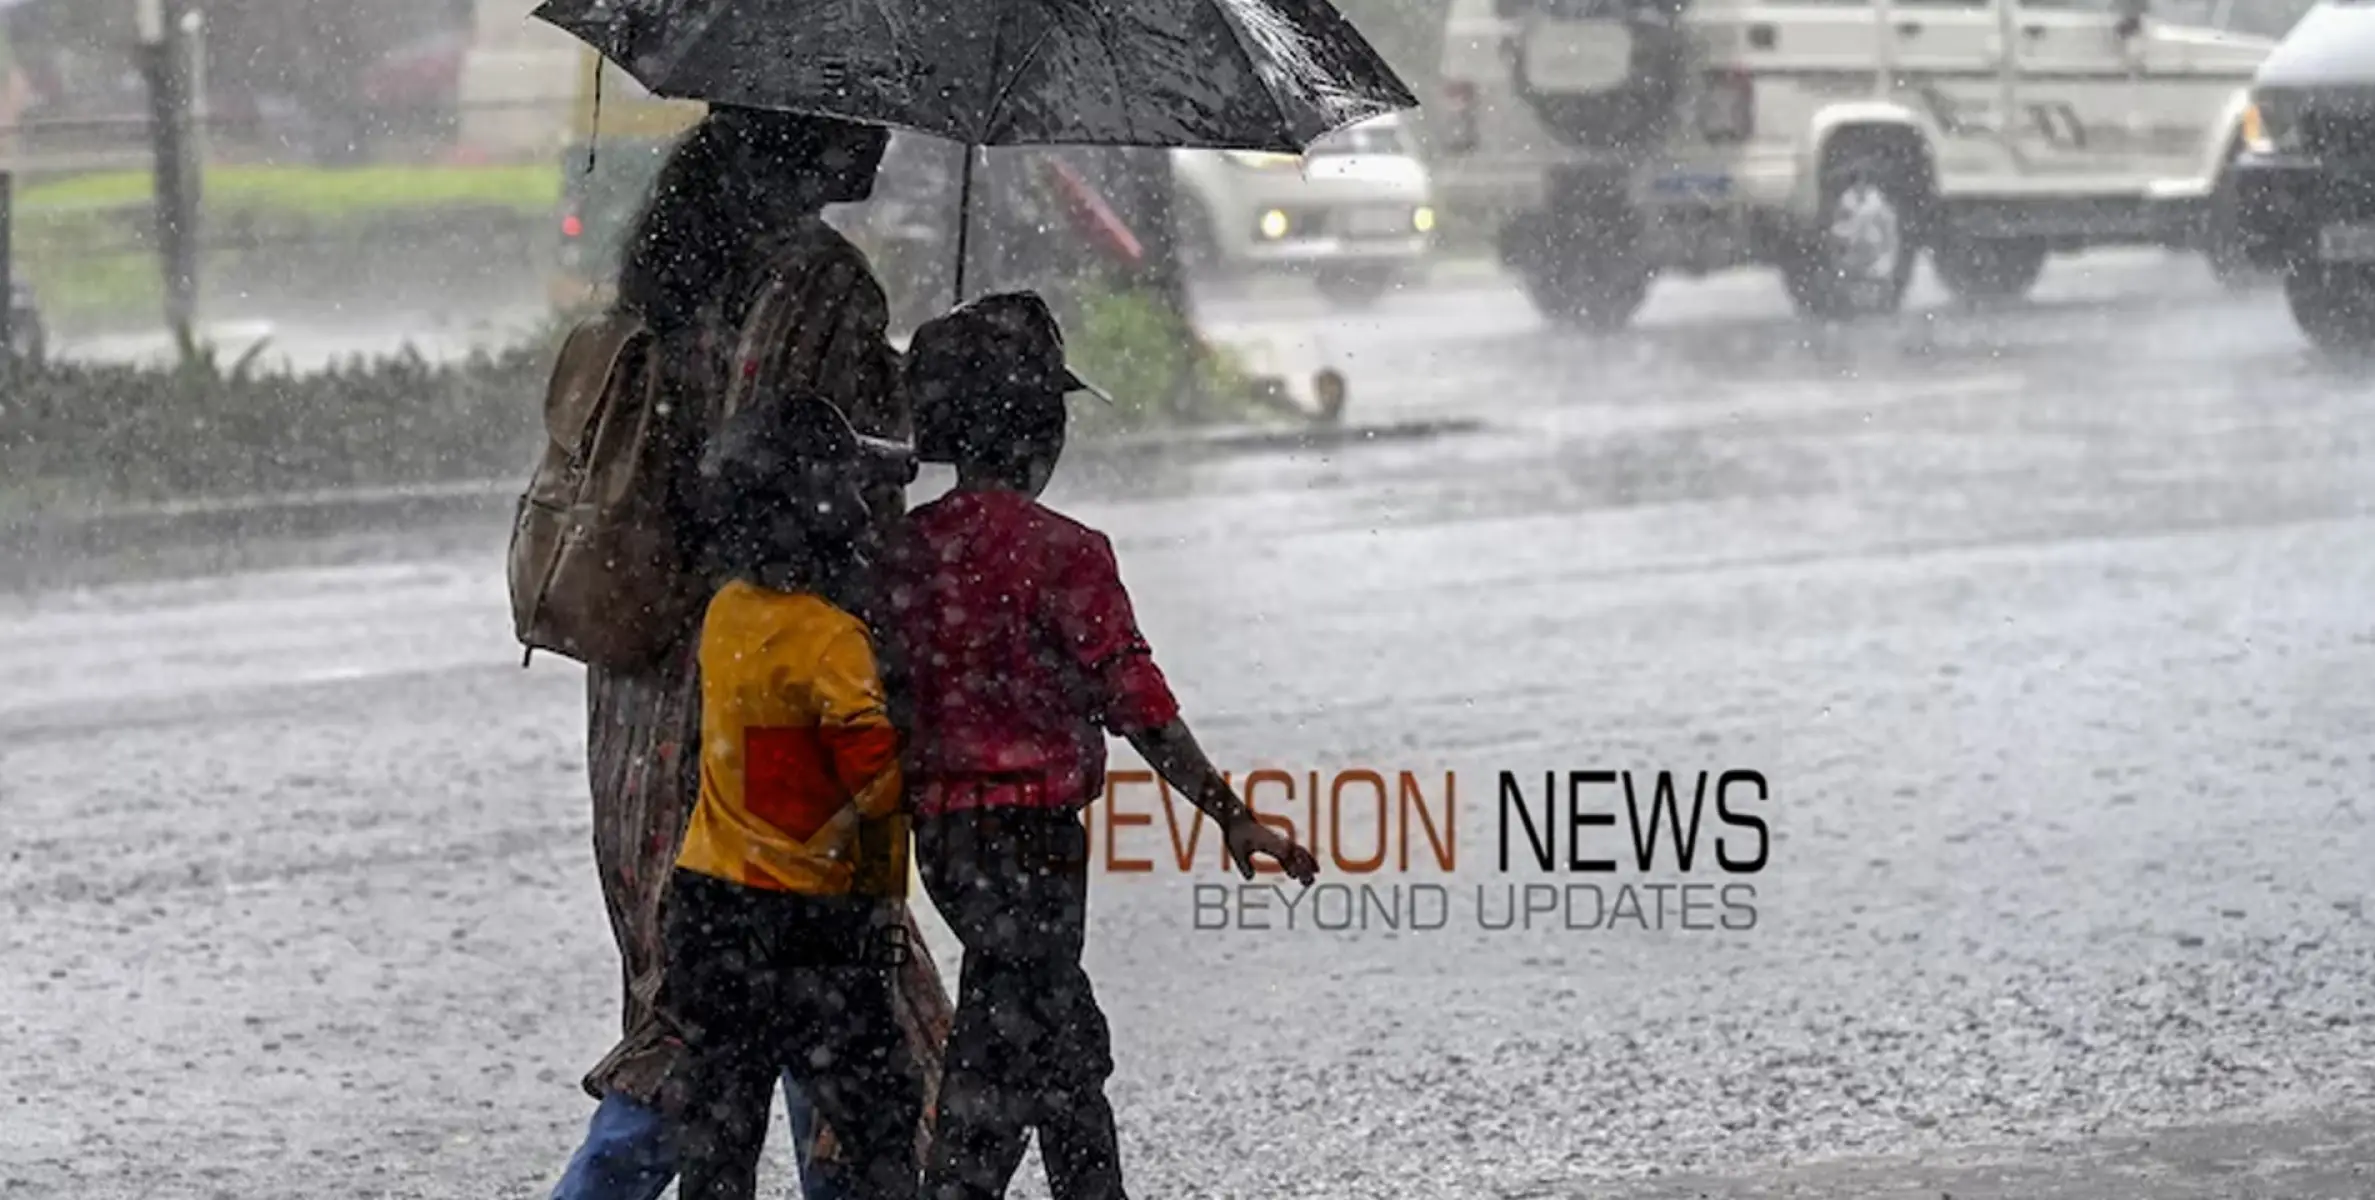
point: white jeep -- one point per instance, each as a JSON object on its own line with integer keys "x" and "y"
{"x": 1836, "y": 139}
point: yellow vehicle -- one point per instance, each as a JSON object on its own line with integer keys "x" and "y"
{"x": 614, "y": 152}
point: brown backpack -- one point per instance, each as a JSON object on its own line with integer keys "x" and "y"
{"x": 597, "y": 561}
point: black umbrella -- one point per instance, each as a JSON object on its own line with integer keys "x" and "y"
{"x": 1274, "y": 75}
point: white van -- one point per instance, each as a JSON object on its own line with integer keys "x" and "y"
{"x": 1835, "y": 140}
{"x": 1356, "y": 213}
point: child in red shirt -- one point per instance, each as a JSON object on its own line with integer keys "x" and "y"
{"x": 1021, "y": 652}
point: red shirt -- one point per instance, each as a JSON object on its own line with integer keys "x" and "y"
{"x": 1021, "y": 652}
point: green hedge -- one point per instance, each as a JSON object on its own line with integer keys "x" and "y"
{"x": 533, "y": 190}
{"x": 1149, "y": 357}
{"x": 79, "y": 437}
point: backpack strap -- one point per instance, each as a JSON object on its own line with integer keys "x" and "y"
{"x": 582, "y": 377}
{"x": 817, "y": 324}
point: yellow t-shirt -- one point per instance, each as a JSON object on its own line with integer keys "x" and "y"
{"x": 800, "y": 787}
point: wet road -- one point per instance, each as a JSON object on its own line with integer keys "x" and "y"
{"x": 2049, "y": 628}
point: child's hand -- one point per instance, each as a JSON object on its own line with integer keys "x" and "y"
{"x": 1248, "y": 837}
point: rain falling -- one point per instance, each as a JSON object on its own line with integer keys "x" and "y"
{"x": 892, "y": 599}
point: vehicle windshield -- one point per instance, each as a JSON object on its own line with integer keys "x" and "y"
{"x": 1362, "y": 139}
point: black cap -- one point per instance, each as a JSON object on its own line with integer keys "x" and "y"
{"x": 967, "y": 368}
{"x": 778, "y": 435}
{"x": 780, "y": 482}
{"x": 795, "y": 442}
{"x": 1007, "y": 343}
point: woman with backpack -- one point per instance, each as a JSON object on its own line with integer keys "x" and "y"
{"x": 747, "y": 293}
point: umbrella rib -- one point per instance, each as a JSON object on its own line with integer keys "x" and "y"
{"x": 1113, "y": 66}
{"x": 898, "y": 34}
{"x": 1232, "y": 12}
{"x": 700, "y": 25}
{"x": 891, "y": 24}
{"x": 1006, "y": 86}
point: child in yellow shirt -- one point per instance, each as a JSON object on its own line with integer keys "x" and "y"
{"x": 775, "y": 918}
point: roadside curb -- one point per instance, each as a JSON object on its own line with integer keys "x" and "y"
{"x": 1461, "y": 273}
{"x": 1258, "y": 439}
{"x": 288, "y": 514}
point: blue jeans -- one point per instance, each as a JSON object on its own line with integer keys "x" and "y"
{"x": 626, "y": 1155}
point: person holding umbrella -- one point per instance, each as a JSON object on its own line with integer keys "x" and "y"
{"x": 750, "y": 294}
{"x": 1261, "y": 75}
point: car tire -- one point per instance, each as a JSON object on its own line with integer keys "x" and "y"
{"x": 2334, "y": 307}
{"x": 1599, "y": 296}
{"x": 1985, "y": 270}
{"x": 2224, "y": 246}
{"x": 2229, "y": 264}
{"x": 1579, "y": 262}
{"x": 1858, "y": 259}
{"x": 1356, "y": 287}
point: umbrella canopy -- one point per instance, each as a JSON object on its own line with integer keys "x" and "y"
{"x": 1272, "y": 75}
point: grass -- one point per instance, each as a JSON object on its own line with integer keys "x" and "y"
{"x": 83, "y": 240}
{"x": 313, "y": 191}
{"x": 92, "y": 276}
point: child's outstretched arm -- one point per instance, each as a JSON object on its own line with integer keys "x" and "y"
{"x": 1171, "y": 749}
{"x": 1092, "y": 612}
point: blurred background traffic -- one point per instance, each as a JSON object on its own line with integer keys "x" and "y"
{"x": 362, "y": 155}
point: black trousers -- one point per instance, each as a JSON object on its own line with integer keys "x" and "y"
{"x": 1029, "y": 1049}
{"x": 762, "y": 982}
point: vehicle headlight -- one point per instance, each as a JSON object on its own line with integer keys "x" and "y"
{"x": 2269, "y": 125}
{"x": 2255, "y": 131}
{"x": 1275, "y": 224}
{"x": 1423, "y": 220}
